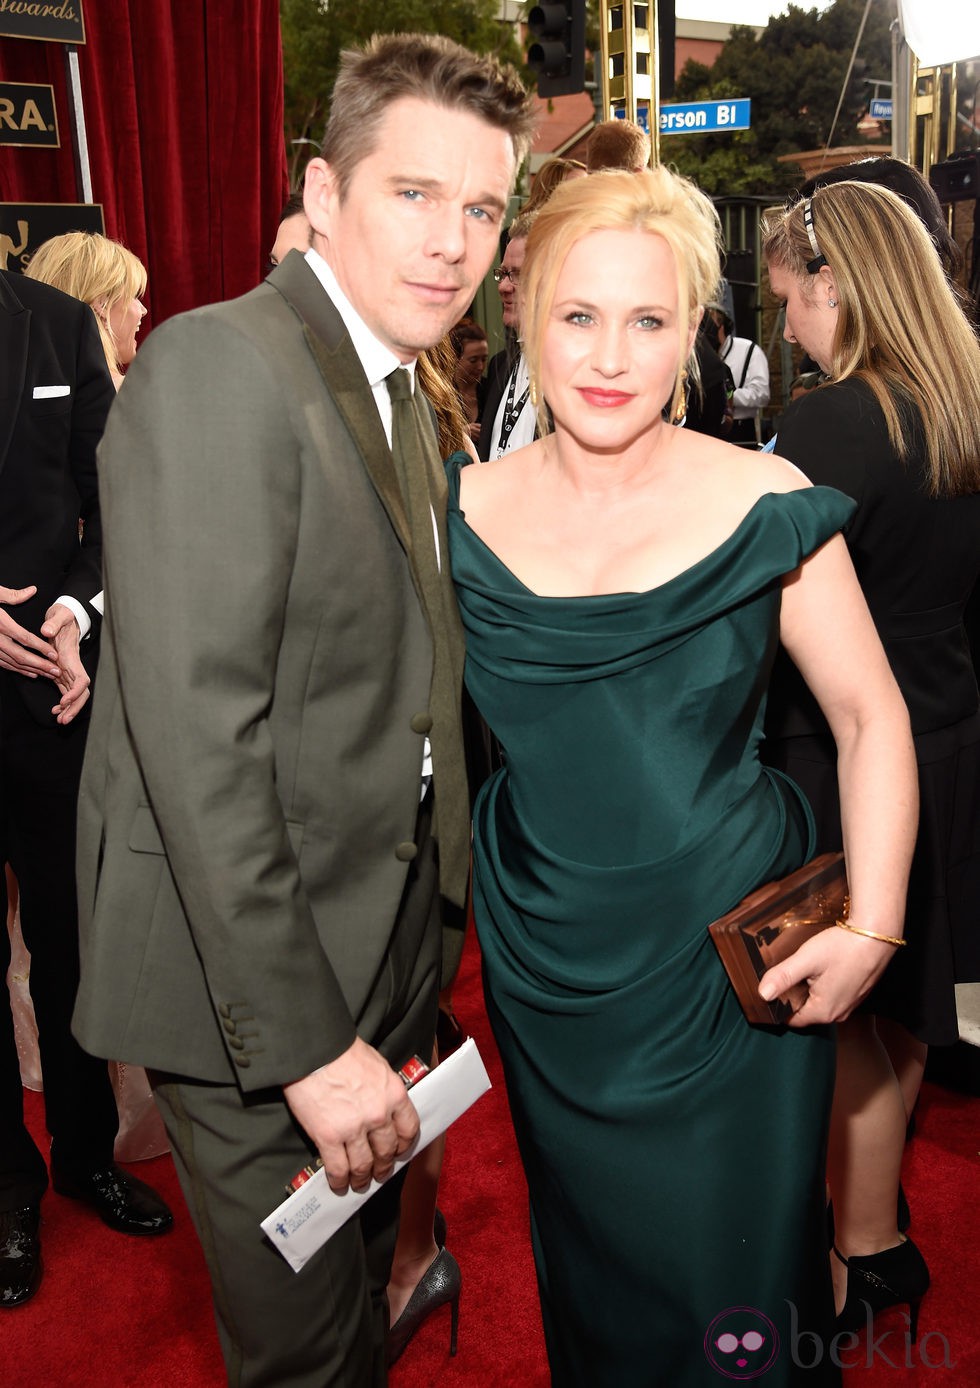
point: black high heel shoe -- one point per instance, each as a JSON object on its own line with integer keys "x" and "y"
{"x": 895, "y": 1277}
{"x": 439, "y": 1284}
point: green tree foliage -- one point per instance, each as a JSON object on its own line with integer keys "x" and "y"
{"x": 793, "y": 72}
{"x": 315, "y": 32}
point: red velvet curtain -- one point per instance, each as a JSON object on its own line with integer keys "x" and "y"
{"x": 183, "y": 109}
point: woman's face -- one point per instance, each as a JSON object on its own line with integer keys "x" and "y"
{"x": 472, "y": 363}
{"x": 811, "y": 313}
{"x": 612, "y": 340}
{"x": 125, "y": 318}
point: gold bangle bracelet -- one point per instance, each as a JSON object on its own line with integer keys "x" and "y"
{"x": 873, "y": 935}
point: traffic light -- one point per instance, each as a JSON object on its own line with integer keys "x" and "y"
{"x": 557, "y": 54}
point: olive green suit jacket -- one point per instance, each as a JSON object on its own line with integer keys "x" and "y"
{"x": 251, "y": 787}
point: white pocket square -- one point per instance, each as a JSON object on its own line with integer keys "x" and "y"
{"x": 49, "y": 392}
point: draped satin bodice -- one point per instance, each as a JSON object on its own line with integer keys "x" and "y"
{"x": 642, "y": 710}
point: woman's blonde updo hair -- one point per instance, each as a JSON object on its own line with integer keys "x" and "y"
{"x": 655, "y": 201}
{"x": 90, "y": 267}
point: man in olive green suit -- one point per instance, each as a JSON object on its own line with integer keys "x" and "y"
{"x": 281, "y": 646}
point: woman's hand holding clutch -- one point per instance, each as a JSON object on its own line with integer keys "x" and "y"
{"x": 839, "y": 966}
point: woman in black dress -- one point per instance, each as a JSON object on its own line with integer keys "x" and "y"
{"x": 897, "y": 427}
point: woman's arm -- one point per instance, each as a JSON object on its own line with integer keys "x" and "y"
{"x": 828, "y": 631}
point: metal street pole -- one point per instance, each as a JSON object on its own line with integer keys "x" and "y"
{"x": 629, "y": 79}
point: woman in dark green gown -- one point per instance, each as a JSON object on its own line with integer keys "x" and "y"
{"x": 618, "y": 645}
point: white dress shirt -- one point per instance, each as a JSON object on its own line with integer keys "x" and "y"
{"x": 742, "y": 354}
{"x": 524, "y": 426}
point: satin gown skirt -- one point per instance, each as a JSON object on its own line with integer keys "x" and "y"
{"x": 674, "y": 1155}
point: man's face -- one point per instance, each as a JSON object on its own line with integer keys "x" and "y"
{"x": 419, "y": 223}
{"x": 293, "y": 234}
{"x": 509, "y": 286}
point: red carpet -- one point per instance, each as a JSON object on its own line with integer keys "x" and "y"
{"x": 118, "y": 1312}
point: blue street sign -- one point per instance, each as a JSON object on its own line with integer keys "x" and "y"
{"x": 704, "y": 117}
{"x": 642, "y": 117}
{"x": 880, "y": 108}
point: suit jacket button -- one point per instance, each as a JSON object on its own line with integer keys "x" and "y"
{"x": 236, "y": 1042}
{"x": 225, "y": 1010}
{"x": 243, "y": 1061}
{"x": 421, "y": 723}
{"x": 405, "y": 852}
{"x": 229, "y": 1025}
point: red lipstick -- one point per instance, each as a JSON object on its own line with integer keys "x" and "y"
{"x": 604, "y": 399}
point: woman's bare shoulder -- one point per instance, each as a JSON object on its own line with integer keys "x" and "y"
{"x": 726, "y": 482}
{"x": 775, "y": 474}
{"x": 493, "y": 483}
{"x": 754, "y": 473}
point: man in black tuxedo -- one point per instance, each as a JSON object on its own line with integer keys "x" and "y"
{"x": 54, "y": 398}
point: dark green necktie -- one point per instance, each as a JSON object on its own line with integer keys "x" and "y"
{"x": 423, "y": 485}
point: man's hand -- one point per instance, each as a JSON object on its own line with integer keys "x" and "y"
{"x": 61, "y": 627}
{"x": 20, "y": 650}
{"x": 358, "y": 1113}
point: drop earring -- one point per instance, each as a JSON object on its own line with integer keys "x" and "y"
{"x": 680, "y": 408}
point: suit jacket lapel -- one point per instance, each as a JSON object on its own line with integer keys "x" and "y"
{"x": 15, "y": 332}
{"x": 343, "y": 376}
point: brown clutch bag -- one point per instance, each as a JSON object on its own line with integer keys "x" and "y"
{"x": 771, "y": 924}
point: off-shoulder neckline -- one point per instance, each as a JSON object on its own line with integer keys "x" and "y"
{"x": 627, "y": 593}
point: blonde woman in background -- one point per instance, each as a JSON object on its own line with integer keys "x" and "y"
{"x": 107, "y": 277}
{"x": 895, "y": 425}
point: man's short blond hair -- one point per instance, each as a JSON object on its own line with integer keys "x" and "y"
{"x": 617, "y": 144}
